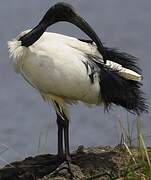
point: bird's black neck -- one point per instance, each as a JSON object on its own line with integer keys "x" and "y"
{"x": 31, "y": 37}
{"x": 57, "y": 13}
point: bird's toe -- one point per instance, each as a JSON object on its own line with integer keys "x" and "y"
{"x": 67, "y": 170}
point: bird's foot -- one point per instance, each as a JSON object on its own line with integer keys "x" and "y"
{"x": 66, "y": 170}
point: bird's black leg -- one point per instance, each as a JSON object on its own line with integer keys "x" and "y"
{"x": 60, "y": 138}
{"x": 66, "y": 140}
{"x": 63, "y": 132}
{"x": 67, "y": 148}
{"x": 63, "y": 127}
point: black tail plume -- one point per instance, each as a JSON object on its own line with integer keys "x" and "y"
{"x": 118, "y": 90}
{"x": 126, "y": 60}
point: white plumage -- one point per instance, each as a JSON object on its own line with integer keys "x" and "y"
{"x": 54, "y": 65}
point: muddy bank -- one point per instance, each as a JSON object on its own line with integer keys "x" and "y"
{"x": 87, "y": 163}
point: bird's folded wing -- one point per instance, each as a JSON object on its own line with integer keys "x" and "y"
{"x": 88, "y": 47}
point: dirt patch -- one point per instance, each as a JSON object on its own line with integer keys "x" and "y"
{"x": 87, "y": 163}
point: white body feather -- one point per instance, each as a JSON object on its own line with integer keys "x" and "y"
{"x": 54, "y": 66}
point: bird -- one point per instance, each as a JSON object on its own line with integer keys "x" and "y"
{"x": 66, "y": 70}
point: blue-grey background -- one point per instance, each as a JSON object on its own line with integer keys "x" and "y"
{"x": 25, "y": 120}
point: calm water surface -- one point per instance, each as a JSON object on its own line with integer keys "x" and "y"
{"x": 27, "y": 124}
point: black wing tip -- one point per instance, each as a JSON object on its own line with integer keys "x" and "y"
{"x": 126, "y": 93}
{"x": 130, "y": 62}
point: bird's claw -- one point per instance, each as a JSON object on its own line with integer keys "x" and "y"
{"x": 66, "y": 170}
{"x": 63, "y": 168}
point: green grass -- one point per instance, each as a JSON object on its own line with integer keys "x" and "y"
{"x": 139, "y": 166}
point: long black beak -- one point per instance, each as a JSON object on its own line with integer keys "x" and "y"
{"x": 85, "y": 27}
{"x": 57, "y": 13}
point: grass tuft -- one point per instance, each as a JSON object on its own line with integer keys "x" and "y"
{"x": 139, "y": 166}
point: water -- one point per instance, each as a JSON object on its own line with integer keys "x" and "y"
{"x": 25, "y": 118}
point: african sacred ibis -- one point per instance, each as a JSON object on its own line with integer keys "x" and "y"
{"x": 65, "y": 69}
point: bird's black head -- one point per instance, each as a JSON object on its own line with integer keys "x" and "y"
{"x": 62, "y": 12}
{"x": 59, "y": 12}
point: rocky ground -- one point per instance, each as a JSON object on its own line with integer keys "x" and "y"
{"x": 87, "y": 164}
